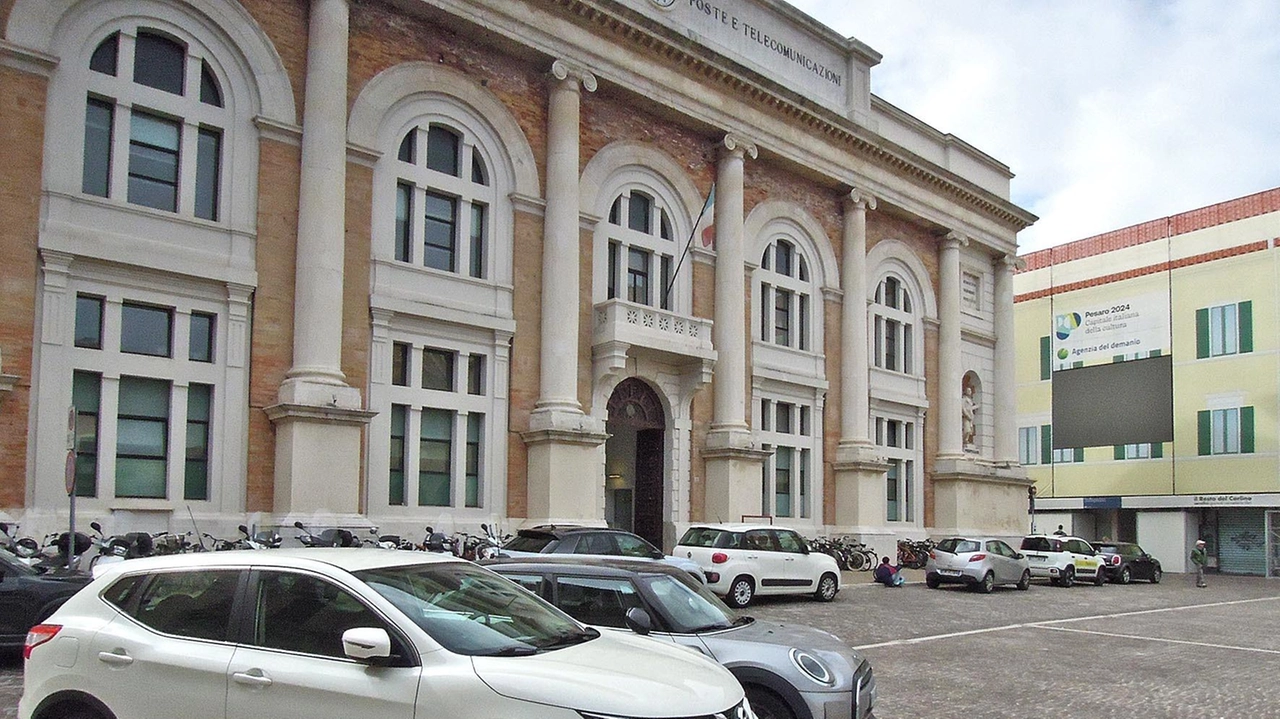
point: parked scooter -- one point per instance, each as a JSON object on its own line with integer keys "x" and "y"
{"x": 60, "y": 552}
{"x": 24, "y": 548}
{"x": 262, "y": 539}
{"x": 335, "y": 537}
{"x": 437, "y": 542}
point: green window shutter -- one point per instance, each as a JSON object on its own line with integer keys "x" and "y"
{"x": 1046, "y": 357}
{"x": 1046, "y": 444}
{"x": 1079, "y": 454}
{"x": 1118, "y": 358}
{"x": 1202, "y": 333}
{"x": 1119, "y": 448}
{"x": 1157, "y": 450}
{"x": 1205, "y": 432}
{"x": 1246, "y": 430}
{"x": 1245, "y": 322}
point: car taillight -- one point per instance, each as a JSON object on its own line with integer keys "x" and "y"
{"x": 712, "y": 577}
{"x": 1115, "y": 560}
{"x": 932, "y": 555}
{"x": 38, "y": 635}
{"x": 977, "y": 557}
{"x": 719, "y": 558}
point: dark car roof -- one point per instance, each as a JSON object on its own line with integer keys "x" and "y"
{"x": 564, "y": 530}
{"x": 594, "y": 565}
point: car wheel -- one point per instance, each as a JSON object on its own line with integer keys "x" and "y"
{"x": 740, "y": 592}
{"x": 931, "y": 581}
{"x": 766, "y": 704}
{"x": 1125, "y": 575}
{"x": 1025, "y": 583}
{"x": 1068, "y": 577}
{"x": 1155, "y": 575}
{"x": 827, "y": 588}
{"x": 987, "y": 584}
{"x": 1099, "y": 577}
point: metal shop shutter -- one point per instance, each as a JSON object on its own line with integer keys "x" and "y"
{"x": 1242, "y": 541}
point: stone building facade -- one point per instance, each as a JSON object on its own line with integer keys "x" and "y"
{"x": 397, "y": 263}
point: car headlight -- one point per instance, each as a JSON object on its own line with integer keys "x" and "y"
{"x": 813, "y": 667}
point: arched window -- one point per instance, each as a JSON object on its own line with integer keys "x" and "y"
{"x": 894, "y": 328}
{"x": 786, "y": 296}
{"x": 444, "y": 201}
{"x": 642, "y": 251}
{"x": 155, "y": 125}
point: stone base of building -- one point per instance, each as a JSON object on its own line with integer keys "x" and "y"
{"x": 318, "y": 459}
{"x": 971, "y": 497}
{"x": 733, "y": 466}
{"x": 860, "y": 498}
{"x": 565, "y": 469}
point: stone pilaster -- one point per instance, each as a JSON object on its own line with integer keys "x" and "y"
{"x": 565, "y": 446}
{"x": 949, "y": 362}
{"x": 1005, "y": 427}
{"x": 732, "y": 458}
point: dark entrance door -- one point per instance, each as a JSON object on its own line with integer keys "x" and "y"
{"x": 637, "y": 456}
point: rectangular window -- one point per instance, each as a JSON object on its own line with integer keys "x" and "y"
{"x": 435, "y": 458}
{"x": 803, "y": 316}
{"x": 1226, "y": 431}
{"x": 766, "y": 310}
{"x": 891, "y": 491}
{"x": 437, "y": 369}
{"x": 782, "y": 317}
{"x": 891, "y": 345}
{"x": 666, "y": 282}
{"x": 440, "y": 220}
{"x": 89, "y": 322}
{"x": 146, "y": 330}
{"x": 404, "y": 225}
{"x": 782, "y": 458}
{"x": 475, "y": 374}
{"x": 614, "y": 249}
{"x": 86, "y": 394}
{"x": 891, "y": 432}
{"x": 400, "y": 363}
{"x": 638, "y": 276}
{"x": 443, "y": 150}
{"x": 804, "y": 420}
{"x": 802, "y": 472}
{"x": 208, "y": 173}
{"x": 1029, "y": 445}
{"x": 766, "y": 415}
{"x": 479, "y": 230}
{"x": 1068, "y": 456}
{"x": 475, "y": 438}
{"x": 196, "y": 473}
{"x": 200, "y": 343}
{"x": 142, "y": 445}
{"x": 908, "y": 358}
{"x": 395, "y": 489}
{"x": 99, "y": 118}
{"x": 638, "y": 213}
{"x": 908, "y": 469}
{"x": 784, "y": 418}
{"x": 153, "y": 161}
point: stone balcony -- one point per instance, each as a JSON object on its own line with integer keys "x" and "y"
{"x": 621, "y": 327}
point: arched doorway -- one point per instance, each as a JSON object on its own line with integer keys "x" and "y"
{"x": 635, "y": 455}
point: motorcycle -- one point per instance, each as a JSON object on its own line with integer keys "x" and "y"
{"x": 24, "y": 548}
{"x": 335, "y": 537}
{"x": 62, "y": 551}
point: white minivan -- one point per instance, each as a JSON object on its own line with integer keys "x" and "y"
{"x": 346, "y": 633}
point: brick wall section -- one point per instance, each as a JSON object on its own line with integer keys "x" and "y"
{"x": 526, "y": 362}
{"x": 1161, "y": 228}
{"x": 832, "y": 411}
{"x": 272, "y": 343}
{"x": 22, "y": 136}
{"x": 357, "y": 331}
{"x": 285, "y": 23}
{"x": 1202, "y": 258}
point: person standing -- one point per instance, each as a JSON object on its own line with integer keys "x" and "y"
{"x": 1198, "y": 559}
{"x": 1060, "y": 532}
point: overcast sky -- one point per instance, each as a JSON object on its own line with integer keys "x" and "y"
{"x": 1108, "y": 112}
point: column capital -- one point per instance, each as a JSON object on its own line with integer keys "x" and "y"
{"x": 954, "y": 240}
{"x": 859, "y": 199}
{"x": 565, "y": 70}
{"x": 1009, "y": 262}
{"x": 739, "y": 145}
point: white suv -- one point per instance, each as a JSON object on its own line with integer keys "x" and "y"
{"x": 743, "y": 560}
{"x": 1064, "y": 560}
{"x": 346, "y": 633}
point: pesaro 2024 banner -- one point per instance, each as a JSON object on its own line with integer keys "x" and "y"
{"x": 1135, "y": 327}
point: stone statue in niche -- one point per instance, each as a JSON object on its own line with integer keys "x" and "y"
{"x": 969, "y": 408}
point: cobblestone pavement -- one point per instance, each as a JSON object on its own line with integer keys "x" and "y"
{"x": 1114, "y": 652}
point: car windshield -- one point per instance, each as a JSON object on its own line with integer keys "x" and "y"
{"x": 473, "y": 611}
{"x": 958, "y": 546}
{"x": 688, "y": 606}
{"x": 1108, "y": 548}
{"x": 709, "y": 537}
{"x": 536, "y": 543}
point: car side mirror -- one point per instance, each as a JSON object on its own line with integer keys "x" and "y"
{"x": 639, "y": 621}
{"x": 1019, "y": 555}
{"x": 367, "y": 644}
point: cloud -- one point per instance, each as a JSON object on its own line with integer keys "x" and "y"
{"x": 1109, "y": 113}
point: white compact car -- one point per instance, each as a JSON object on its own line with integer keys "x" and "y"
{"x": 1064, "y": 560}
{"x": 341, "y": 633}
{"x": 743, "y": 560}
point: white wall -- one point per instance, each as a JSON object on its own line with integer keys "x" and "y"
{"x": 1168, "y": 537}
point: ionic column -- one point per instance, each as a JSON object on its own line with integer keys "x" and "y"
{"x": 950, "y": 441}
{"x": 729, "y": 332}
{"x": 1005, "y": 427}
{"x": 854, "y": 383}
{"x": 560, "y": 261}
{"x": 317, "y": 335}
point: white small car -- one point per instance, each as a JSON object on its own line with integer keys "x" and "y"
{"x": 346, "y": 632}
{"x": 1064, "y": 560}
{"x": 743, "y": 560}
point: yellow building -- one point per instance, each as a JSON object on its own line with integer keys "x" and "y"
{"x": 1201, "y": 287}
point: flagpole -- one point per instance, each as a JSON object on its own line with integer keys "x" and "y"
{"x": 711, "y": 197}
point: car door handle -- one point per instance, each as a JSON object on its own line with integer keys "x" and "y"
{"x": 790, "y": 559}
{"x": 116, "y": 658}
{"x": 253, "y": 678}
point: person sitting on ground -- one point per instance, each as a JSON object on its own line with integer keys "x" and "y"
{"x": 889, "y": 575}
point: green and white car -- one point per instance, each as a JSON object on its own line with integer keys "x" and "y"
{"x": 1064, "y": 560}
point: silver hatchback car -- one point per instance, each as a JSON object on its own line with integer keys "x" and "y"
{"x": 982, "y": 563}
